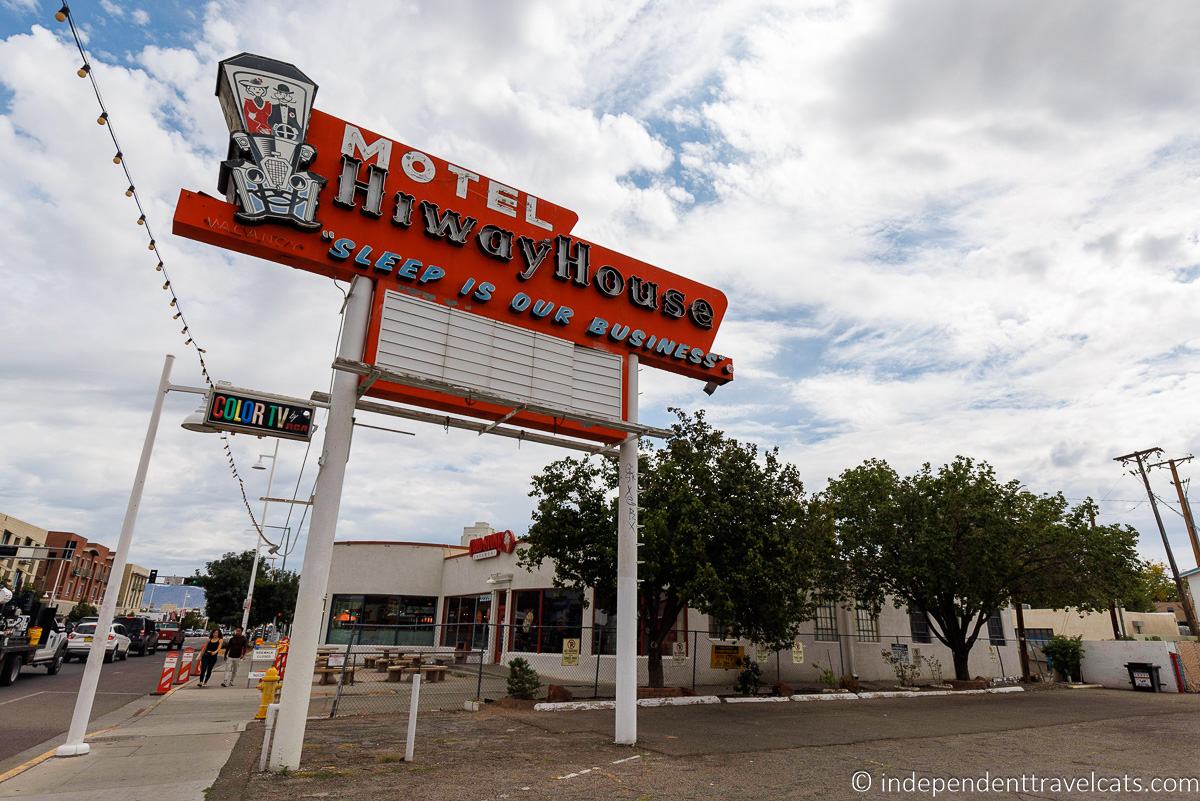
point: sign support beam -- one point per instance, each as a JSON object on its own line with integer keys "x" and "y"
{"x": 318, "y": 553}
{"x": 75, "y": 746}
{"x": 627, "y": 527}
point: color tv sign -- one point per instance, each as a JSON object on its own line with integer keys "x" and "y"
{"x": 321, "y": 194}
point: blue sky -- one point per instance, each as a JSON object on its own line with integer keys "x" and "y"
{"x": 941, "y": 231}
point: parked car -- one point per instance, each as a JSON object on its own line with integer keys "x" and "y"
{"x": 143, "y": 633}
{"x": 170, "y": 635}
{"x": 79, "y": 642}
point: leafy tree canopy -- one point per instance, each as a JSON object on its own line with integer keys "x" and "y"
{"x": 726, "y": 530}
{"x": 957, "y": 544}
{"x": 225, "y": 581}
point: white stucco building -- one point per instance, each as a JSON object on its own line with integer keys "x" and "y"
{"x": 472, "y": 595}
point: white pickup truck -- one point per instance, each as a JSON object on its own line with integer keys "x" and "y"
{"x": 16, "y": 647}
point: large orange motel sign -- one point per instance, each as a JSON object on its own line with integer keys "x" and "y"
{"x": 422, "y": 234}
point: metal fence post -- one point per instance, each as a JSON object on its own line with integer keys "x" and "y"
{"x": 597, "y": 649}
{"x": 695, "y": 656}
{"x": 479, "y": 676}
{"x": 354, "y": 632}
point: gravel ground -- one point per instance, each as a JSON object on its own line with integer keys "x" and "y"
{"x": 752, "y": 752}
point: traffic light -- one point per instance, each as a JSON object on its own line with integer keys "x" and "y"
{"x": 153, "y": 577}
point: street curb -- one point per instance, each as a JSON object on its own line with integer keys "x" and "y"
{"x": 584, "y": 706}
{"x": 40, "y": 758}
{"x": 770, "y": 699}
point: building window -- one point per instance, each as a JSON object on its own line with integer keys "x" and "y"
{"x": 542, "y": 619}
{"x": 466, "y": 619}
{"x": 918, "y": 625}
{"x": 995, "y": 626}
{"x": 827, "y": 628}
{"x": 867, "y": 624}
{"x": 719, "y": 629}
{"x": 1038, "y": 637}
{"x": 604, "y": 633}
{"x": 382, "y": 619}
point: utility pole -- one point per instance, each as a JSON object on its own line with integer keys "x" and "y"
{"x": 1138, "y": 457}
{"x": 1183, "y": 502}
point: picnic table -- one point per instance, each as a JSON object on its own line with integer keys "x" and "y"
{"x": 329, "y": 675}
{"x": 430, "y": 673}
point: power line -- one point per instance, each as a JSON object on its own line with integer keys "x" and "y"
{"x": 143, "y": 220}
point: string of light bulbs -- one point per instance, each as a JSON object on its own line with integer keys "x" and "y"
{"x": 85, "y": 71}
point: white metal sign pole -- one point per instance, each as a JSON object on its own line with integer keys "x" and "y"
{"x": 627, "y": 527}
{"x": 318, "y": 551}
{"x": 75, "y": 746}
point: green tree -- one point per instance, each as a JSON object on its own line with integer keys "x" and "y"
{"x": 81, "y": 610}
{"x": 957, "y": 545}
{"x": 1152, "y": 584}
{"x": 725, "y": 531}
{"x": 225, "y": 581}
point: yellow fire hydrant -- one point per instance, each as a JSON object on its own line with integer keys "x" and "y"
{"x": 267, "y": 684}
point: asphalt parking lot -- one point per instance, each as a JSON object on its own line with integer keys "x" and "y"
{"x": 752, "y": 752}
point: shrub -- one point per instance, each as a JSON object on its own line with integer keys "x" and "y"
{"x": 749, "y": 680}
{"x": 906, "y": 671}
{"x": 826, "y": 675}
{"x": 1065, "y": 654}
{"x": 935, "y": 669}
{"x": 523, "y": 680}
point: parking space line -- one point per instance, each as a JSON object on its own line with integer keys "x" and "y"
{"x": 22, "y": 698}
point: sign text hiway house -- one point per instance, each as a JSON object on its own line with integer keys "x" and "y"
{"x": 467, "y": 295}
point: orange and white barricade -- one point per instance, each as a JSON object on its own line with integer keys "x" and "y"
{"x": 185, "y": 665}
{"x": 167, "y": 679}
{"x": 281, "y": 652}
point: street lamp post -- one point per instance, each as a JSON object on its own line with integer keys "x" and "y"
{"x": 258, "y": 539}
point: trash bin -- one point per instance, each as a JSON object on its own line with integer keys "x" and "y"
{"x": 1143, "y": 676}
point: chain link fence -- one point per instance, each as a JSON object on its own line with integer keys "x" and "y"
{"x": 368, "y": 669}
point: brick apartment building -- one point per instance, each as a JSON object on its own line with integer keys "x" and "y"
{"x": 83, "y": 572}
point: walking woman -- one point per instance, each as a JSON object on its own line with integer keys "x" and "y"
{"x": 208, "y": 656}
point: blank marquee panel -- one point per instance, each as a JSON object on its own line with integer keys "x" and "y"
{"x": 434, "y": 341}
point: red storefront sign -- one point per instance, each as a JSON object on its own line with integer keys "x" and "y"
{"x": 492, "y": 545}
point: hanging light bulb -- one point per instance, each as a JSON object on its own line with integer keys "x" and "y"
{"x": 61, "y": 14}
{"x": 151, "y": 245}
{"x": 84, "y": 70}
{"x": 176, "y": 315}
{"x": 189, "y": 341}
{"x": 129, "y": 191}
{"x": 166, "y": 284}
{"x": 103, "y": 118}
{"x": 172, "y": 302}
{"x": 117, "y": 157}
{"x": 142, "y": 220}
{"x": 159, "y": 266}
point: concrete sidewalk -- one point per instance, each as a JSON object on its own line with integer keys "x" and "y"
{"x": 175, "y": 750}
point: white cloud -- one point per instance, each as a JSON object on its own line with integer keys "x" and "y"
{"x": 140, "y": 16}
{"x": 942, "y": 229}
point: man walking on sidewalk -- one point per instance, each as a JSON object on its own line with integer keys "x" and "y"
{"x": 235, "y": 651}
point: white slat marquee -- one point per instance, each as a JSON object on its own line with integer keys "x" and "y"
{"x": 430, "y": 340}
